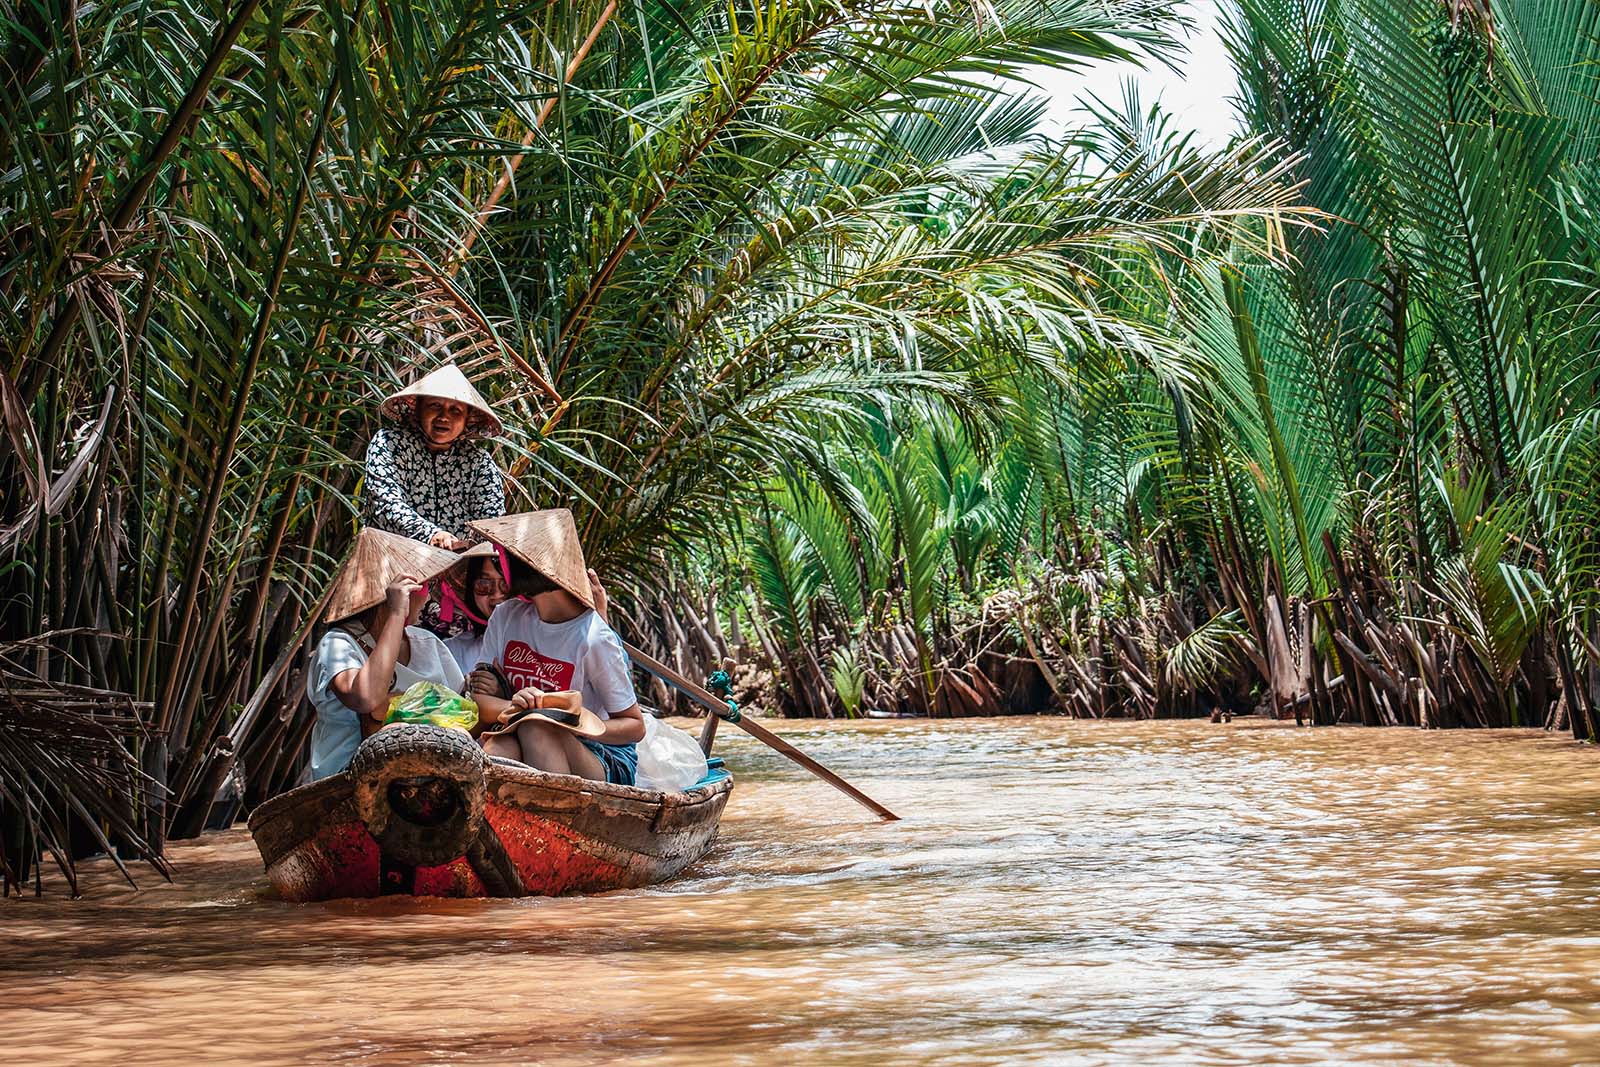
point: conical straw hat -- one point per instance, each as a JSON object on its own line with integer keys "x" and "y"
{"x": 457, "y": 575}
{"x": 564, "y": 710}
{"x": 379, "y": 557}
{"x": 447, "y": 383}
{"x": 547, "y": 541}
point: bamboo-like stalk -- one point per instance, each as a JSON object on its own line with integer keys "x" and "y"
{"x": 503, "y": 183}
{"x": 251, "y": 360}
{"x": 149, "y": 167}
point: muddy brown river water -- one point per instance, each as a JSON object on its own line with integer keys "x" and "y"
{"x": 1058, "y": 893}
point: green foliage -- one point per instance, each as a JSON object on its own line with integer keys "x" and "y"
{"x": 682, "y": 245}
{"x": 1497, "y": 604}
{"x": 1243, "y": 409}
{"x": 1198, "y": 659}
{"x": 792, "y": 290}
{"x": 849, "y": 680}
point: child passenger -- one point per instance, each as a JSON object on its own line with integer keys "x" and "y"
{"x": 472, "y": 590}
{"x": 551, "y": 640}
{"x": 373, "y": 648}
{"x": 427, "y": 476}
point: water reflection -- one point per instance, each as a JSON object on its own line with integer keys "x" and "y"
{"x": 1058, "y": 892}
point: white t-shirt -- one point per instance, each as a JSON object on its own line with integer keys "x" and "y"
{"x": 467, "y": 648}
{"x": 337, "y": 734}
{"x": 583, "y": 654}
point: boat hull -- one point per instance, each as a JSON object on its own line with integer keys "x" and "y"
{"x": 531, "y": 833}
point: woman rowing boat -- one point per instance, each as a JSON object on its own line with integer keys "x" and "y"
{"x": 428, "y": 475}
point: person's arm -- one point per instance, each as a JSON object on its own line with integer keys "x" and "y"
{"x": 625, "y": 727}
{"x": 484, "y": 686}
{"x": 597, "y": 593}
{"x": 388, "y": 503}
{"x": 607, "y": 671}
{"x": 618, "y": 731}
{"x": 484, "y": 689}
{"x": 366, "y": 691}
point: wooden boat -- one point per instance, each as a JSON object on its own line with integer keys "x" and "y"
{"x": 423, "y": 811}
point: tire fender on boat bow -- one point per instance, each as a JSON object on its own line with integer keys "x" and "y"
{"x": 420, "y": 791}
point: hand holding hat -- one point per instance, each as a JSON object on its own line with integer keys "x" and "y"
{"x": 564, "y": 709}
{"x": 378, "y": 560}
{"x": 400, "y": 594}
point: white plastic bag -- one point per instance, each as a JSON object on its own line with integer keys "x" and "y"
{"x": 669, "y": 759}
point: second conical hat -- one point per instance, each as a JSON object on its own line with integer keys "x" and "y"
{"x": 459, "y": 575}
{"x": 378, "y": 558}
{"x": 447, "y": 383}
{"x": 547, "y": 541}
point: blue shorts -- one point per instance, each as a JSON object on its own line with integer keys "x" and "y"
{"x": 620, "y": 761}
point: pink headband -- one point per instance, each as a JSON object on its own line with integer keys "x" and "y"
{"x": 450, "y": 601}
{"x": 505, "y": 572}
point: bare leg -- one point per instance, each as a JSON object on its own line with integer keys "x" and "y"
{"x": 550, "y": 748}
{"x": 584, "y": 764}
{"x": 501, "y": 745}
{"x": 542, "y": 748}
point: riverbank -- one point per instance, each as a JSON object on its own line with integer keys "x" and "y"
{"x": 1058, "y": 891}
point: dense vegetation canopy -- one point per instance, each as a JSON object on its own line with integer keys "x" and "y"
{"x": 846, "y": 370}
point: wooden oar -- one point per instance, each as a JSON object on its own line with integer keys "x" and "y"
{"x": 720, "y": 709}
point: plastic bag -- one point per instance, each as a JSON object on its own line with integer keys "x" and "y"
{"x": 669, "y": 759}
{"x": 431, "y": 704}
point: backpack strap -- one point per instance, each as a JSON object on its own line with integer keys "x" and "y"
{"x": 361, "y": 635}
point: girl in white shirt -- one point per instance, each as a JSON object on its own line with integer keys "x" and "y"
{"x": 373, "y": 648}
{"x": 483, "y": 588}
{"x": 550, "y": 639}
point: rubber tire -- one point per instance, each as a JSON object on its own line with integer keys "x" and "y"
{"x": 411, "y": 752}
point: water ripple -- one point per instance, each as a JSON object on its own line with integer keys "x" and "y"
{"x": 1057, "y": 893}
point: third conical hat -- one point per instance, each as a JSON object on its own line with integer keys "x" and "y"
{"x": 459, "y": 574}
{"x": 447, "y": 383}
{"x": 379, "y": 557}
{"x": 547, "y": 541}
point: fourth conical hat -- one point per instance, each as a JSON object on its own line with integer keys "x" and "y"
{"x": 461, "y": 574}
{"x": 447, "y": 383}
{"x": 379, "y": 557}
{"x": 547, "y": 541}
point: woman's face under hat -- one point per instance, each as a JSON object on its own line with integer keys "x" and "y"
{"x": 450, "y": 385}
{"x": 547, "y": 541}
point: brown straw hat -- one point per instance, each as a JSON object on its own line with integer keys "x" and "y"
{"x": 547, "y": 541}
{"x": 459, "y": 575}
{"x": 565, "y": 710}
{"x": 446, "y": 383}
{"x": 378, "y": 558}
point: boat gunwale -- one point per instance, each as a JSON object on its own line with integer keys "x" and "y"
{"x": 569, "y": 784}
{"x": 538, "y": 792}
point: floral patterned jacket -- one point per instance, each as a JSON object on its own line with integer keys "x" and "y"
{"x": 415, "y": 492}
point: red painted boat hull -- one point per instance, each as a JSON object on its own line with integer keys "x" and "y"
{"x": 538, "y": 834}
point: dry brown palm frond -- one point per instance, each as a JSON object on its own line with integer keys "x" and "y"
{"x": 1477, "y": 10}
{"x": 68, "y": 766}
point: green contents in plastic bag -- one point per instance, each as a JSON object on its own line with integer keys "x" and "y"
{"x": 431, "y": 704}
